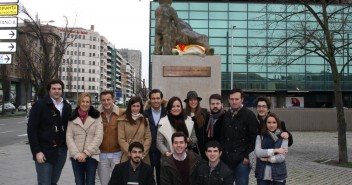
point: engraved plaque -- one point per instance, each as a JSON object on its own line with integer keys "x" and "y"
{"x": 186, "y": 71}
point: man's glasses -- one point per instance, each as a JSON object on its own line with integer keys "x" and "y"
{"x": 262, "y": 106}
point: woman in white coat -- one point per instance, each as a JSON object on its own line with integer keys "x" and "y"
{"x": 84, "y": 136}
{"x": 174, "y": 121}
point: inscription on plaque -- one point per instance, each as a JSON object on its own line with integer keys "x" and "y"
{"x": 187, "y": 71}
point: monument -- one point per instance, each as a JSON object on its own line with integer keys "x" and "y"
{"x": 197, "y": 69}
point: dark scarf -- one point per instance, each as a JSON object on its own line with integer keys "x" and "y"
{"x": 211, "y": 122}
{"x": 82, "y": 115}
{"x": 178, "y": 123}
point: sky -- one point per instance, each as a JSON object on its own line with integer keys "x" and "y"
{"x": 125, "y": 23}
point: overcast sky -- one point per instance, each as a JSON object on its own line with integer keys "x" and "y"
{"x": 124, "y": 23}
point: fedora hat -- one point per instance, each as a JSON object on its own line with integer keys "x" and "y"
{"x": 192, "y": 94}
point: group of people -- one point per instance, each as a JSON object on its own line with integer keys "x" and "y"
{"x": 181, "y": 146}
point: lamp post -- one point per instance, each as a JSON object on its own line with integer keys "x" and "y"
{"x": 232, "y": 29}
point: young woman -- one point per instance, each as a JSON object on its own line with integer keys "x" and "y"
{"x": 173, "y": 122}
{"x": 133, "y": 126}
{"x": 199, "y": 117}
{"x": 84, "y": 136}
{"x": 271, "y": 149}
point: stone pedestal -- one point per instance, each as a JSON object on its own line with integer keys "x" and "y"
{"x": 176, "y": 75}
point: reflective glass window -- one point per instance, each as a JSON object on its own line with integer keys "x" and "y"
{"x": 239, "y": 24}
{"x": 315, "y": 68}
{"x": 218, "y": 15}
{"x": 239, "y": 42}
{"x": 238, "y": 68}
{"x": 238, "y": 7}
{"x": 218, "y": 6}
{"x": 198, "y": 6}
{"x": 218, "y": 32}
{"x": 240, "y": 16}
{"x": 237, "y": 58}
{"x": 256, "y": 7}
{"x": 238, "y": 32}
{"x": 201, "y": 31}
{"x": 239, "y": 50}
{"x": 257, "y": 68}
{"x": 198, "y": 15}
{"x": 218, "y": 24}
{"x": 183, "y": 15}
{"x": 296, "y": 68}
{"x": 198, "y": 23}
{"x": 218, "y": 49}
{"x": 179, "y": 6}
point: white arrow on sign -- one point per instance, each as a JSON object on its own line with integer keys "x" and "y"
{"x": 7, "y": 46}
{"x": 8, "y": 22}
{"x": 5, "y": 59}
{"x": 8, "y": 34}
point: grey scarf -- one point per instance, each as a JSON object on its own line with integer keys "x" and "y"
{"x": 274, "y": 135}
{"x": 211, "y": 123}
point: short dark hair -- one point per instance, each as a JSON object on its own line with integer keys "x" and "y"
{"x": 135, "y": 144}
{"x": 213, "y": 144}
{"x": 55, "y": 81}
{"x": 107, "y": 92}
{"x": 178, "y": 134}
{"x": 215, "y": 96}
{"x": 153, "y": 91}
{"x": 265, "y": 99}
{"x": 233, "y": 91}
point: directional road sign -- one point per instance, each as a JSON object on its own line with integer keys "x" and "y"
{"x": 8, "y": 22}
{"x": 8, "y": 34}
{"x": 5, "y": 58}
{"x": 7, "y": 46}
{"x": 11, "y": 9}
{"x": 8, "y": 1}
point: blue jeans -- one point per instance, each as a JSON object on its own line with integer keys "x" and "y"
{"x": 49, "y": 174}
{"x": 267, "y": 182}
{"x": 84, "y": 172}
{"x": 241, "y": 173}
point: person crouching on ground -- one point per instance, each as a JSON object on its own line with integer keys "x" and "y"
{"x": 133, "y": 171}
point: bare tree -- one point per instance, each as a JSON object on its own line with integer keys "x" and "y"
{"x": 5, "y": 82}
{"x": 319, "y": 30}
{"x": 42, "y": 47}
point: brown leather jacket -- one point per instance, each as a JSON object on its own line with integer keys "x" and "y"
{"x": 110, "y": 142}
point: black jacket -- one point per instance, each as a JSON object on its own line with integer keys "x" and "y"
{"x": 169, "y": 174}
{"x": 154, "y": 153}
{"x": 47, "y": 129}
{"x": 221, "y": 175}
{"x": 200, "y": 133}
{"x": 119, "y": 175}
{"x": 217, "y": 129}
{"x": 238, "y": 136}
{"x": 283, "y": 126}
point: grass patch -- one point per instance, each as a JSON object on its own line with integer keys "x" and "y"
{"x": 334, "y": 163}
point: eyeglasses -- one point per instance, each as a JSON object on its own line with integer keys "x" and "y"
{"x": 262, "y": 106}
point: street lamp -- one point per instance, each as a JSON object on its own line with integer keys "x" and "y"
{"x": 232, "y": 29}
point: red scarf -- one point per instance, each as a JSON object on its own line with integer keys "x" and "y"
{"x": 82, "y": 115}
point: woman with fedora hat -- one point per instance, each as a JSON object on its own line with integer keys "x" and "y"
{"x": 199, "y": 117}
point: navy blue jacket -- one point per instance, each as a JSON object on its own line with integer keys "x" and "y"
{"x": 154, "y": 153}
{"x": 47, "y": 129}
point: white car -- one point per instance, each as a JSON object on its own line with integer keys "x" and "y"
{"x": 23, "y": 107}
{"x": 9, "y": 107}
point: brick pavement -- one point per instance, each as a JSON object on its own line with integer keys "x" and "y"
{"x": 17, "y": 167}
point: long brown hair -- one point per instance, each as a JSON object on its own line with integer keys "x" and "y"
{"x": 198, "y": 114}
{"x": 265, "y": 127}
{"x": 133, "y": 100}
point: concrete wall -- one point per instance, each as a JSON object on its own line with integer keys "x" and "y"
{"x": 312, "y": 119}
{"x": 179, "y": 86}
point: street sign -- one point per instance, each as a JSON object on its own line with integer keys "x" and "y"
{"x": 8, "y": 34}
{"x": 7, "y": 46}
{"x": 9, "y": 9}
{"x": 8, "y": 1}
{"x": 8, "y": 22}
{"x": 5, "y": 58}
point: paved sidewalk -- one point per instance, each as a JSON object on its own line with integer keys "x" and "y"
{"x": 17, "y": 166}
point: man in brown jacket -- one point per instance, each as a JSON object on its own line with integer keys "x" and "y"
{"x": 110, "y": 149}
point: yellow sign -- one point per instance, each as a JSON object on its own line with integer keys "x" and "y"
{"x": 9, "y": 9}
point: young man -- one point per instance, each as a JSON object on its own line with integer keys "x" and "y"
{"x": 156, "y": 111}
{"x": 110, "y": 149}
{"x": 180, "y": 167}
{"x": 216, "y": 117}
{"x": 238, "y": 137}
{"x": 47, "y": 133}
{"x": 133, "y": 171}
{"x": 215, "y": 172}
{"x": 263, "y": 105}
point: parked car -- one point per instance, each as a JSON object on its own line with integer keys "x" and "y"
{"x": 23, "y": 107}
{"x": 8, "y": 107}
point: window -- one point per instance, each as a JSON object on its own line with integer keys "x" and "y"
{"x": 90, "y": 79}
{"x": 74, "y": 86}
{"x": 71, "y": 52}
{"x": 90, "y": 63}
{"x": 67, "y": 52}
{"x": 63, "y": 69}
{"x": 93, "y": 63}
{"x": 93, "y": 87}
{"x": 89, "y": 72}
{"x": 82, "y": 86}
{"x": 75, "y": 52}
{"x": 82, "y": 76}
{"x": 75, "y": 44}
{"x": 74, "y": 78}
{"x": 82, "y": 72}
{"x": 93, "y": 54}
{"x": 83, "y": 53}
{"x": 82, "y": 61}
{"x": 93, "y": 46}
{"x": 93, "y": 70}
{"x": 90, "y": 54}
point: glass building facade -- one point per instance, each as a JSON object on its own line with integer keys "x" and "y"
{"x": 243, "y": 34}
